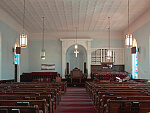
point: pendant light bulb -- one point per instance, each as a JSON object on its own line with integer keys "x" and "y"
{"x": 43, "y": 51}
{"x": 109, "y": 52}
{"x": 76, "y": 47}
{"x": 43, "y": 54}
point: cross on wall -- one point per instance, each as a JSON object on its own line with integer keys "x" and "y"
{"x": 76, "y": 52}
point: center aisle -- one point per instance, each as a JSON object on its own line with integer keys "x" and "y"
{"x": 76, "y": 100}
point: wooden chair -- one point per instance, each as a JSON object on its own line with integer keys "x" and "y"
{"x": 76, "y": 74}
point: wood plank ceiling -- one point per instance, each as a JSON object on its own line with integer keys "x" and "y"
{"x": 65, "y": 15}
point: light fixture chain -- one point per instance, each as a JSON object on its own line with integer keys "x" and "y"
{"x": 76, "y": 35}
{"x": 129, "y": 37}
{"x": 128, "y": 18}
{"x": 109, "y": 32}
{"x": 24, "y": 17}
{"x": 43, "y": 32}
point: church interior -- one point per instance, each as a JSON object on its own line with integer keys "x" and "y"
{"x": 74, "y": 56}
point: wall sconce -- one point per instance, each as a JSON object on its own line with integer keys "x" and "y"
{"x": 18, "y": 50}
{"x": 139, "y": 50}
{"x": 134, "y": 50}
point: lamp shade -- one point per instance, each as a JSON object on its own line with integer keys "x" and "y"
{"x": 43, "y": 54}
{"x": 23, "y": 37}
{"x": 76, "y": 47}
{"x": 129, "y": 41}
{"x": 109, "y": 54}
{"x": 23, "y": 41}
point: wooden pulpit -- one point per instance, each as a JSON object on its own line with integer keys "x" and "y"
{"x": 76, "y": 74}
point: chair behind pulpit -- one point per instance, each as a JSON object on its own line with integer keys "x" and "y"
{"x": 76, "y": 74}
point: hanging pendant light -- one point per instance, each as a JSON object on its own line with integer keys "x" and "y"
{"x": 109, "y": 52}
{"x": 129, "y": 37}
{"x": 23, "y": 36}
{"x": 43, "y": 52}
{"x": 76, "y": 46}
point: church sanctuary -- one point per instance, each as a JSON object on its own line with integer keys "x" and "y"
{"x": 74, "y": 56}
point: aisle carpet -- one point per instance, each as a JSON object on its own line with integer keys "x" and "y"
{"x": 76, "y": 100}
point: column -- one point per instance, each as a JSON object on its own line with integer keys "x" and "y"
{"x": 89, "y": 58}
{"x": 63, "y": 60}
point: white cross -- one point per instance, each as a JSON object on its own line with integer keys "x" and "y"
{"x": 76, "y": 52}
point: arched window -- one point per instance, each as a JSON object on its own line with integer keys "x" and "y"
{"x": 16, "y": 56}
{"x": 135, "y": 61}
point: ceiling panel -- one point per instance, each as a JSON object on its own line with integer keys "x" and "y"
{"x": 65, "y": 15}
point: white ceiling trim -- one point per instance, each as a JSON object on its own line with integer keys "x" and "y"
{"x": 81, "y": 35}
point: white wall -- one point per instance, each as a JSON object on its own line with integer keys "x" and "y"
{"x": 24, "y": 60}
{"x": 128, "y": 60}
{"x": 8, "y": 37}
{"x": 142, "y": 35}
{"x": 30, "y": 57}
{"x": 140, "y": 29}
{"x": 104, "y": 43}
{"x": 53, "y": 54}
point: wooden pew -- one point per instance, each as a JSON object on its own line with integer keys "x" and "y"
{"x": 20, "y": 109}
{"x": 94, "y": 92}
{"x": 42, "y": 104}
{"x": 52, "y": 99}
{"x": 128, "y": 106}
{"x": 100, "y": 94}
{"x": 105, "y": 98}
{"x": 62, "y": 85}
{"x": 93, "y": 88}
{"x": 34, "y": 90}
{"x": 46, "y": 88}
{"x": 97, "y": 91}
{"x": 30, "y": 97}
{"x": 29, "y": 77}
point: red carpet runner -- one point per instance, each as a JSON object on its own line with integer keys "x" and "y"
{"x": 76, "y": 100}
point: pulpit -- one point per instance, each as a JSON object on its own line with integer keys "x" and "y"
{"x": 76, "y": 74}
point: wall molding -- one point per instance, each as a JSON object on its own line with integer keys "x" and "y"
{"x": 66, "y": 43}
